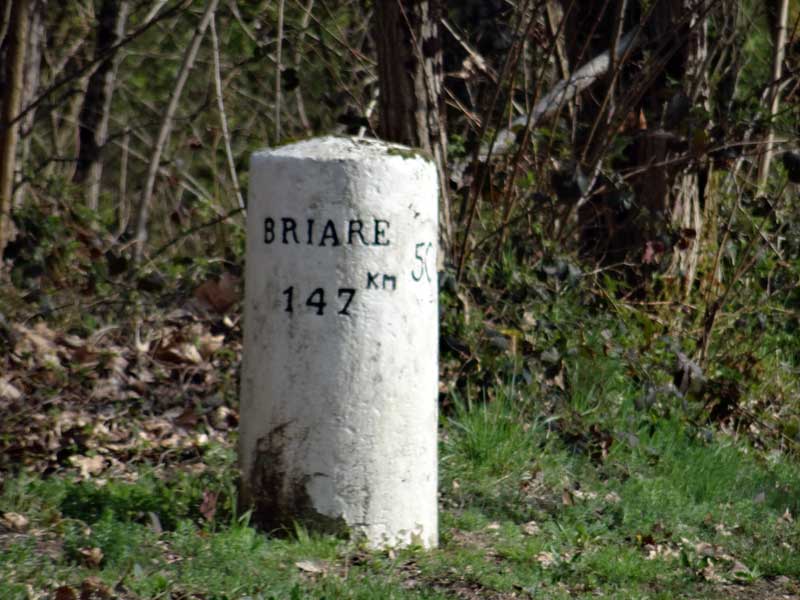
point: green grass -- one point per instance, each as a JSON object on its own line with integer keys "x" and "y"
{"x": 672, "y": 490}
{"x": 572, "y": 493}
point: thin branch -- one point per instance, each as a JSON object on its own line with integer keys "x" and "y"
{"x": 226, "y": 138}
{"x": 298, "y": 92}
{"x": 278, "y": 69}
{"x": 566, "y": 89}
{"x": 778, "y": 54}
{"x": 470, "y": 205}
{"x": 123, "y": 207}
{"x": 89, "y": 66}
{"x": 606, "y": 112}
{"x": 166, "y": 127}
{"x": 154, "y": 11}
{"x": 478, "y": 61}
{"x": 192, "y": 230}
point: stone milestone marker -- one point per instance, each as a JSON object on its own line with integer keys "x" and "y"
{"x": 339, "y": 391}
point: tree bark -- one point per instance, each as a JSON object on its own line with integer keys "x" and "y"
{"x": 778, "y": 54}
{"x": 30, "y": 86}
{"x": 5, "y": 19}
{"x": 687, "y": 201}
{"x": 14, "y": 64}
{"x": 93, "y": 118}
{"x": 670, "y": 156}
{"x": 411, "y": 102}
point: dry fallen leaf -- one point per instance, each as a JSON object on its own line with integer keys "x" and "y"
{"x": 65, "y": 592}
{"x": 38, "y": 342}
{"x": 218, "y": 295}
{"x": 704, "y": 549}
{"x": 93, "y": 588}
{"x": 546, "y": 559}
{"x": 84, "y": 356}
{"x": 155, "y": 523}
{"x": 187, "y": 418}
{"x": 662, "y": 551}
{"x": 207, "y": 344}
{"x": 14, "y": 521}
{"x": 224, "y": 418}
{"x": 92, "y": 556}
{"x": 105, "y": 389}
{"x": 740, "y": 571}
{"x": 89, "y": 465}
{"x": 581, "y": 495}
{"x": 9, "y": 391}
{"x": 710, "y": 573}
{"x": 311, "y": 566}
{"x": 208, "y": 507}
{"x": 531, "y": 528}
{"x": 183, "y": 352}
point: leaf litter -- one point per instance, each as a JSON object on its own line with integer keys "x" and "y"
{"x": 96, "y": 404}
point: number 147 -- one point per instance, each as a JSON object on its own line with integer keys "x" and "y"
{"x": 316, "y": 300}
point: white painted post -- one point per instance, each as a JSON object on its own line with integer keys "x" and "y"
{"x": 339, "y": 392}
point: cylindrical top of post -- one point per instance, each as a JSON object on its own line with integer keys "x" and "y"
{"x": 340, "y": 374}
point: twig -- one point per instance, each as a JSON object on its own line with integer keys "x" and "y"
{"x": 298, "y": 92}
{"x": 470, "y": 206}
{"x": 370, "y": 109}
{"x": 123, "y": 207}
{"x": 184, "y": 234}
{"x": 605, "y": 114}
{"x": 77, "y": 303}
{"x": 747, "y": 261}
{"x": 778, "y": 54}
{"x": 166, "y": 127}
{"x": 86, "y": 68}
{"x": 566, "y": 89}
{"x": 154, "y": 10}
{"x": 226, "y": 138}
{"x": 508, "y": 193}
{"x": 278, "y": 69}
{"x": 480, "y": 63}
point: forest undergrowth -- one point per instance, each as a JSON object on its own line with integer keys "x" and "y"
{"x": 620, "y": 259}
{"x": 582, "y": 452}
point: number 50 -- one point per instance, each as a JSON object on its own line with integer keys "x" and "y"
{"x": 421, "y": 252}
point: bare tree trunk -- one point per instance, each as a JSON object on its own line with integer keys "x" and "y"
{"x": 406, "y": 34}
{"x": 14, "y": 64}
{"x": 671, "y": 187}
{"x": 33, "y": 69}
{"x": 142, "y": 212}
{"x": 778, "y": 53}
{"x": 93, "y": 119}
{"x": 687, "y": 204}
{"x": 5, "y": 19}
